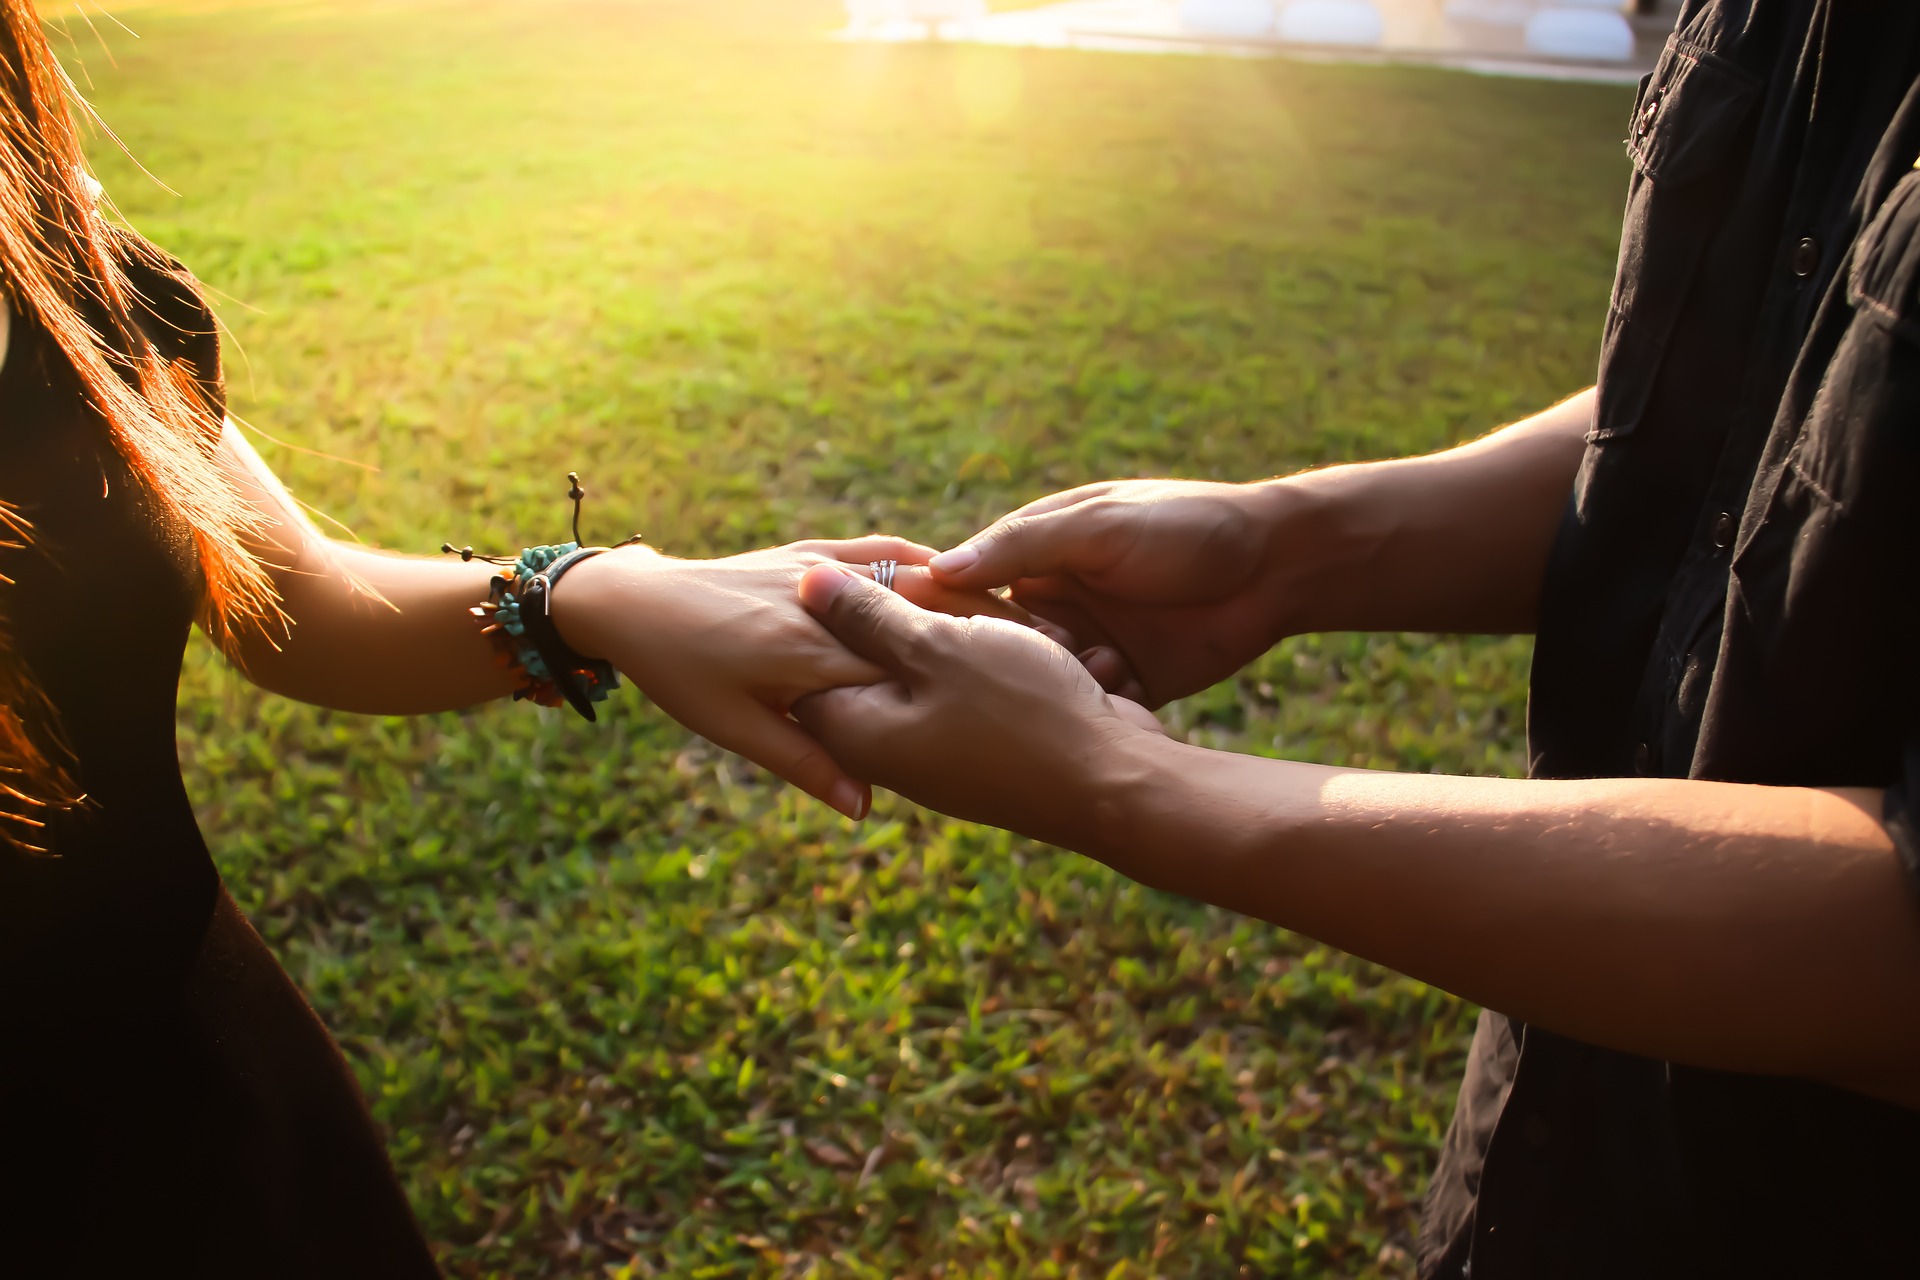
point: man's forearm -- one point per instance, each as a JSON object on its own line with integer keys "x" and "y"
{"x": 1764, "y": 929}
{"x": 1454, "y": 541}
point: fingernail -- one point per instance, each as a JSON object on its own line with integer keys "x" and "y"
{"x": 851, "y": 799}
{"x": 958, "y": 560}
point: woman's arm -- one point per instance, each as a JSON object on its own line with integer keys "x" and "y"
{"x": 721, "y": 645}
{"x": 368, "y": 631}
{"x": 1751, "y": 928}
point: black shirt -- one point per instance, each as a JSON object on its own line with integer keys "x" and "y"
{"x": 1726, "y": 600}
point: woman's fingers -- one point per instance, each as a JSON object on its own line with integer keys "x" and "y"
{"x": 783, "y": 748}
{"x": 863, "y": 551}
{"x": 818, "y": 661}
{"x": 917, "y": 584}
{"x": 1134, "y": 713}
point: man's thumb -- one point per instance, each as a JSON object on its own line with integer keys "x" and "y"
{"x": 864, "y": 616}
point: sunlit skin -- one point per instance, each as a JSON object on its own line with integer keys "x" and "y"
{"x": 1612, "y": 910}
{"x": 721, "y": 645}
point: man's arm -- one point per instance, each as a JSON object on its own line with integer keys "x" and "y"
{"x": 1750, "y": 928}
{"x": 1166, "y": 586}
{"x": 1454, "y": 541}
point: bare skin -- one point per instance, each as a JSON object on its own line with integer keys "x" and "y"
{"x": 1167, "y": 586}
{"x": 1750, "y": 928}
{"x": 721, "y": 645}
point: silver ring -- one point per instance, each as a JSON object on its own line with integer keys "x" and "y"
{"x": 883, "y": 571}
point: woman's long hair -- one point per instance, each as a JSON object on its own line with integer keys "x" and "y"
{"x": 62, "y": 268}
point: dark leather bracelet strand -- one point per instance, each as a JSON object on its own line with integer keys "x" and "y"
{"x": 578, "y": 678}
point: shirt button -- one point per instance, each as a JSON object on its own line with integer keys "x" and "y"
{"x": 1724, "y": 528}
{"x": 1647, "y": 114}
{"x": 1806, "y": 256}
{"x": 1642, "y": 758}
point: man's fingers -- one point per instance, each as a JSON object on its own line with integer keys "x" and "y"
{"x": 1107, "y": 667}
{"x": 1058, "y": 634}
{"x": 1064, "y": 498}
{"x": 779, "y": 745}
{"x": 1082, "y": 629}
{"x": 1111, "y": 670}
{"x": 1071, "y": 540}
{"x": 873, "y": 622}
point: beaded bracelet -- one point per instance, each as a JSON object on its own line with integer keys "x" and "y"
{"x": 518, "y": 618}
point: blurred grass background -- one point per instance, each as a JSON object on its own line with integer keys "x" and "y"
{"x": 625, "y": 1007}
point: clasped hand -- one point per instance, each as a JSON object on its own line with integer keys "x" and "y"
{"x": 1122, "y": 594}
{"x": 1138, "y": 591}
{"x": 724, "y": 647}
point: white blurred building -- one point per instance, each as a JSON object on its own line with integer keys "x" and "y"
{"x": 1587, "y": 39}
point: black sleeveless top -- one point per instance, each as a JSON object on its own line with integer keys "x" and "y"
{"x": 168, "y": 1101}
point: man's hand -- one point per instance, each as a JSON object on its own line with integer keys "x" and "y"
{"x": 724, "y": 647}
{"x": 980, "y": 718}
{"x": 1162, "y": 586}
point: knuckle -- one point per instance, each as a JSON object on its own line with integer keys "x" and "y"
{"x": 920, "y": 642}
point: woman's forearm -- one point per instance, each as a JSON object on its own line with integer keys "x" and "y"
{"x": 1453, "y": 542}
{"x": 1751, "y": 928}
{"x": 380, "y": 634}
{"x": 367, "y": 631}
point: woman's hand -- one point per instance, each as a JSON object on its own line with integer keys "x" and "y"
{"x": 974, "y": 717}
{"x": 724, "y": 646}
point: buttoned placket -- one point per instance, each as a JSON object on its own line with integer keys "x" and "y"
{"x": 1792, "y": 294}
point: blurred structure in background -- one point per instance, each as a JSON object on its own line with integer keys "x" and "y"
{"x": 1564, "y": 39}
{"x": 914, "y": 19}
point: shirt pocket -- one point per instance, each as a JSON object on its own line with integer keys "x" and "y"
{"x": 1859, "y": 431}
{"x": 1688, "y": 120}
{"x": 1820, "y": 579}
{"x": 1883, "y": 285}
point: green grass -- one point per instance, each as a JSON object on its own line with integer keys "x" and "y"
{"x": 625, "y": 1007}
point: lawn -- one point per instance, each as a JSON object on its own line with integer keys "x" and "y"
{"x": 625, "y": 1007}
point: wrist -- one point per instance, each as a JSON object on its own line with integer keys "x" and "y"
{"x": 584, "y": 601}
{"x": 1207, "y": 824}
{"x": 1325, "y": 528}
{"x": 1125, "y": 798}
